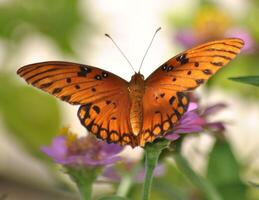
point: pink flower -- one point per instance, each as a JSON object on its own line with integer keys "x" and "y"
{"x": 194, "y": 121}
{"x": 86, "y": 151}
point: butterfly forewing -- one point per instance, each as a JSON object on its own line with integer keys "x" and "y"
{"x": 193, "y": 67}
{"x": 71, "y": 82}
{"x": 102, "y": 95}
{"x": 164, "y": 101}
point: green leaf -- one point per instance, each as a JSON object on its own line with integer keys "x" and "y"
{"x": 32, "y": 116}
{"x": 59, "y": 20}
{"x": 113, "y": 198}
{"x": 223, "y": 172}
{"x": 252, "y": 80}
{"x": 84, "y": 179}
{"x": 204, "y": 185}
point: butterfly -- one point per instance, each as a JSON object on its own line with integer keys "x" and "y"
{"x": 135, "y": 112}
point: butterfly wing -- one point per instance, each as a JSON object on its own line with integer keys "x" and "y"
{"x": 164, "y": 100}
{"x": 102, "y": 95}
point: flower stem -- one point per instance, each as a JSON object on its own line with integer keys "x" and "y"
{"x": 84, "y": 180}
{"x": 127, "y": 181}
{"x": 152, "y": 153}
{"x": 85, "y": 191}
{"x": 206, "y": 188}
{"x": 124, "y": 186}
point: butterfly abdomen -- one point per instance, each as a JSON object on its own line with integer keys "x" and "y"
{"x": 136, "y": 92}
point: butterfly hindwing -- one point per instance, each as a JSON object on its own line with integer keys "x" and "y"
{"x": 161, "y": 111}
{"x": 164, "y": 99}
{"x": 108, "y": 120}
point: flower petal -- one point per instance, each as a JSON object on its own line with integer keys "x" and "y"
{"x": 213, "y": 109}
{"x": 57, "y": 150}
{"x": 172, "y": 136}
{"x": 192, "y": 106}
{"x": 216, "y": 126}
{"x": 111, "y": 149}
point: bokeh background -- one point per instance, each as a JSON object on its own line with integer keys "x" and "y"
{"x": 73, "y": 30}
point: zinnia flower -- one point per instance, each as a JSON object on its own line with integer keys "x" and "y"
{"x": 85, "y": 151}
{"x": 196, "y": 120}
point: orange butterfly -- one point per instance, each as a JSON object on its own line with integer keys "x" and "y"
{"x": 136, "y": 112}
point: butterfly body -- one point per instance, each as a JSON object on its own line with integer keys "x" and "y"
{"x": 135, "y": 112}
{"x": 136, "y": 92}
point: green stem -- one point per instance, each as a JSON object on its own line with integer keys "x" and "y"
{"x": 85, "y": 191}
{"x": 124, "y": 186}
{"x": 127, "y": 181}
{"x": 152, "y": 153}
{"x": 205, "y": 187}
{"x": 84, "y": 179}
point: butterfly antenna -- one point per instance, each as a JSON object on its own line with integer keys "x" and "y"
{"x": 107, "y": 35}
{"x": 148, "y": 48}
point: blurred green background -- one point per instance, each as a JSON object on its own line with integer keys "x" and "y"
{"x": 72, "y": 30}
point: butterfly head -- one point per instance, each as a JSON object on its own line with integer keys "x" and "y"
{"x": 137, "y": 78}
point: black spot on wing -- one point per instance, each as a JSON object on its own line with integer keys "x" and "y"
{"x": 182, "y": 59}
{"x": 104, "y": 74}
{"x": 169, "y": 68}
{"x": 199, "y": 81}
{"x": 98, "y": 77}
{"x": 86, "y": 108}
{"x": 207, "y": 71}
{"x": 65, "y": 98}
{"x": 84, "y": 70}
{"x": 68, "y": 80}
{"x": 96, "y": 109}
{"x": 46, "y": 85}
{"x": 219, "y": 64}
{"x": 164, "y": 67}
{"x": 56, "y": 90}
{"x": 171, "y": 100}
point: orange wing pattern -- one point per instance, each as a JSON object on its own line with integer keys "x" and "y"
{"x": 164, "y": 102}
{"x": 102, "y": 95}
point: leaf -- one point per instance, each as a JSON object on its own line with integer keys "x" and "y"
{"x": 30, "y": 115}
{"x": 252, "y": 80}
{"x": 59, "y": 20}
{"x": 223, "y": 172}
